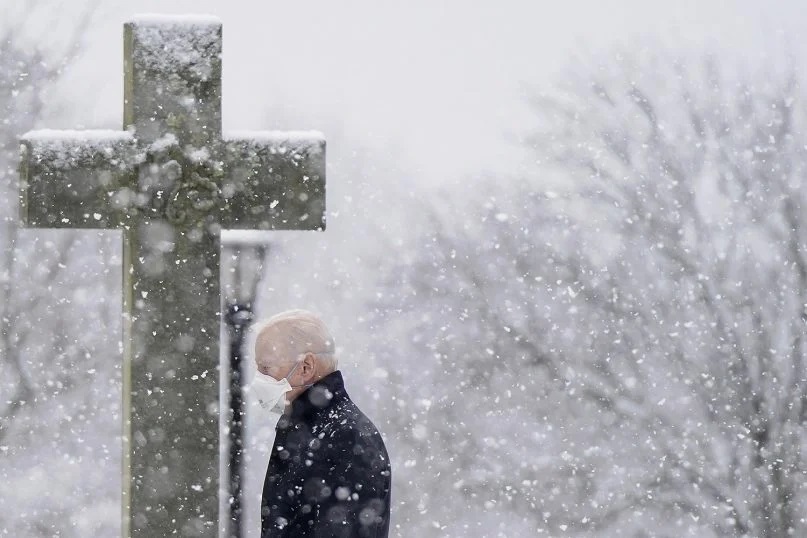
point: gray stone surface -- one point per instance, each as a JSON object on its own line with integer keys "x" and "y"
{"x": 170, "y": 182}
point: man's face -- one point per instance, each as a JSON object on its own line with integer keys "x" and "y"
{"x": 275, "y": 357}
{"x": 271, "y": 355}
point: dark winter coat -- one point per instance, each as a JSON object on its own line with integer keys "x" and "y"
{"x": 329, "y": 473}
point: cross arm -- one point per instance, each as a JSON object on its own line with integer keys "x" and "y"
{"x": 274, "y": 181}
{"x": 76, "y": 179}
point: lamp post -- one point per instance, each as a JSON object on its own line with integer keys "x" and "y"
{"x": 243, "y": 255}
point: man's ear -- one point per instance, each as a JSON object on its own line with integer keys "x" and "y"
{"x": 309, "y": 364}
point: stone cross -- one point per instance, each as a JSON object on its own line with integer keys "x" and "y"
{"x": 171, "y": 183}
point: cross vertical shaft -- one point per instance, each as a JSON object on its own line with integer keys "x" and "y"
{"x": 172, "y": 100}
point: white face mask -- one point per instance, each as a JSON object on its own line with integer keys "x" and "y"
{"x": 268, "y": 391}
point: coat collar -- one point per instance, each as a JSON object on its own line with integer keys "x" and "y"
{"x": 317, "y": 398}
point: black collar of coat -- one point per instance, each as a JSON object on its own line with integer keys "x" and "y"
{"x": 317, "y": 398}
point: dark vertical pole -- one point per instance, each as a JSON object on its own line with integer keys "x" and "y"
{"x": 239, "y": 318}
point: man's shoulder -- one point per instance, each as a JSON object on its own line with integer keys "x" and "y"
{"x": 344, "y": 422}
{"x": 352, "y": 444}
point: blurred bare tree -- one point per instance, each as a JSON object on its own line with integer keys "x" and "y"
{"x": 59, "y": 340}
{"x": 621, "y": 353}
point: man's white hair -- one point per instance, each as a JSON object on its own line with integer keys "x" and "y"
{"x": 306, "y": 332}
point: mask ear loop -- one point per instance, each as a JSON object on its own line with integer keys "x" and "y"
{"x": 291, "y": 372}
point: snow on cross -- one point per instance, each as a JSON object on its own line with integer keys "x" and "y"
{"x": 171, "y": 183}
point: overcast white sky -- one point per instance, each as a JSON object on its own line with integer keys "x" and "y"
{"x": 432, "y": 85}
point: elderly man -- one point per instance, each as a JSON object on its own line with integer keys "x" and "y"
{"x": 329, "y": 473}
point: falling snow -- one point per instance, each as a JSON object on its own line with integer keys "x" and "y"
{"x": 600, "y": 332}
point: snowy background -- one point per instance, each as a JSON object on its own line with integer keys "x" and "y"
{"x": 565, "y": 263}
